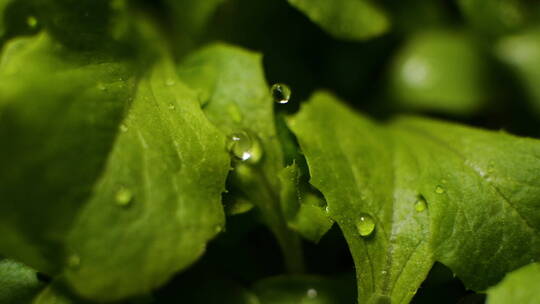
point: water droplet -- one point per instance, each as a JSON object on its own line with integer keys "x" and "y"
{"x": 244, "y": 147}
{"x": 420, "y": 204}
{"x": 311, "y": 293}
{"x": 32, "y": 22}
{"x": 365, "y": 225}
{"x": 123, "y": 128}
{"x": 123, "y": 197}
{"x": 281, "y": 93}
{"x": 384, "y": 272}
{"x": 73, "y": 261}
{"x": 439, "y": 189}
{"x": 170, "y": 82}
{"x": 171, "y": 106}
{"x": 327, "y": 209}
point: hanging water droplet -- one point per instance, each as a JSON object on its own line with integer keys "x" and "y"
{"x": 244, "y": 147}
{"x": 123, "y": 197}
{"x": 420, "y": 204}
{"x": 281, "y": 93}
{"x": 170, "y": 82}
{"x": 365, "y": 225}
{"x": 311, "y": 293}
{"x": 123, "y": 128}
{"x": 32, "y": 22}
{"x": 439, "y": 189}
{"x": 73, "y": 261}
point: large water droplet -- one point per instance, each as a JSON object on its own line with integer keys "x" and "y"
{"x": 420, "y": 204}
{"x": 439, "y": 189}
{"x": 311, "y": 293}
{"x": 244, "y": 147}
{"x": 123, "y": 196}
{"x": 73, "y": 261}
{"x": 365, "y": 225}
{"x": 281, "y": 93}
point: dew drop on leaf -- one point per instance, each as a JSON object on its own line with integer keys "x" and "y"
{"x": 32, "y": 22}
{"x": 123, "y": 197}
{"x": 439, "y": 190}
{"x": 420, "y": 204}
{"x": 73, "y": 261}
{"x": 244, "y": 147}
{"x": 281, "y": 93}
{"x": 365, "y": 225}
{"x": 311, "y": 293}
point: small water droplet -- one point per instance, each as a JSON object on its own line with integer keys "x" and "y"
{"x": 170, "y": 82}
{"x": 439, "y": 189}
{"x": 327, "y": 209}
{"x": 244, "y": 147}
{"x": 123, "y": 197}
{"x": 281, "y": 93}
{"x": 73, "y": 261}
{"x": 384, "y": 272}
{"x": 365, "y": 225}
{"x": 123, "y": 128}
{"x": 311, "y": 293}
{"x": 32, "y": 22}
{"x": 171, "y": 106}
{"x": 420, "y": 204}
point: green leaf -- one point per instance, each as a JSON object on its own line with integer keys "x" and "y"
{"x": 158, "y": 200}
{"x": 522, "y": 53}
{"x": 59, "y": 114}
{"x": 494, "y": 17}
{"x": 519, "y": 286}
{"x": 346, "y": 19}
{"x": 304, "y": 211}
{"x": 305, "y": 290}
{"x": 440, "y": 71}
{"x": 434, "y": 191}
{"x": 18, "y": 283}
{"x": 239, "y": 101}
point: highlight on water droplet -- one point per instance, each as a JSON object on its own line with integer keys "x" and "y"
{"x": 420, "y": 204}
{"x": 123, "y": 196}
{"x": 73, "y": 261}
{"x": 281, "y": 93}
{"x": 365, "y": 225}
{"x": 439, "y": 189}
{"x": 245, "y": 147}
{"x": 311, "y": 293}
{"x": 32, "y": 22}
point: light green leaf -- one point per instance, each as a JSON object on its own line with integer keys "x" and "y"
{"x": 522, "y": 53}
{"x": 305, "y": 212}
{"x": 433, "y": 190}
{"x": 304, "y": 289}
{"x": 519, "y": 286}
{"x": 59, "y": 114}
{"x": 159, "y": 199}
{"x": 346, "y": 19}
{"x": 239, "y": 102}
{"x": 18, "y": 283}
{"x": 440, "y": 71}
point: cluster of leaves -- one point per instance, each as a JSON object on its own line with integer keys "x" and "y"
{"x": 144, "y": 161}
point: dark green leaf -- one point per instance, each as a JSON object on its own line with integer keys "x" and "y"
{"x": 435, "y": 191}
{"x": 346, "y": 19}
